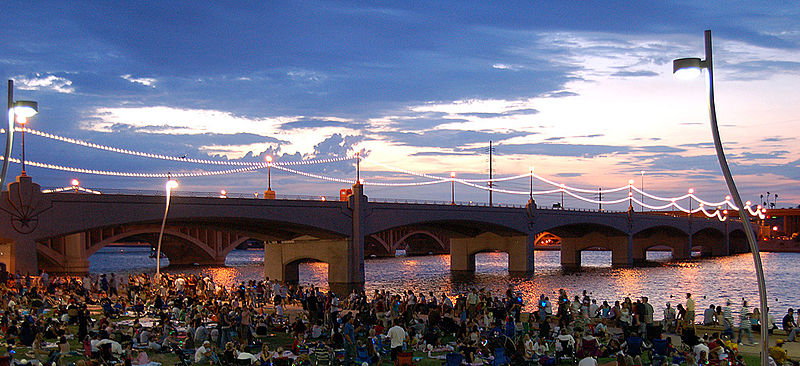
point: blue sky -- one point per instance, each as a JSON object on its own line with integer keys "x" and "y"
{"x": 581, "y": 91}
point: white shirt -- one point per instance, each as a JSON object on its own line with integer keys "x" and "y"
{"x": 199, "y": 354}
{"x": 247, "y": 356}
{"x": 588, "y": 361}
{"x": 397, "y": 335}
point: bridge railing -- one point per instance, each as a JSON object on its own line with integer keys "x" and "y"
{"x": 259, "y": 195}
{"x": 180, "y": 193}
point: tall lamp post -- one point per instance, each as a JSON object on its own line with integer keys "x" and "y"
{"x": 452, "y": 188}
{"x": 171, "y": 183}
{"x": 23, "y": 110}
{"x": 531, "y": 183}
{"x": 692, "y": 67}
{"x": 269, "y": 193}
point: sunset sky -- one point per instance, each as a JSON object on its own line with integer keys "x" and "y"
{"x": 582, "y": 91}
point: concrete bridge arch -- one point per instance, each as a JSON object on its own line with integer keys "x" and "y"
{"x": 518, "y": 247}
{"x": 619, "y": 245}
{"x": 183, "y": 245}
{"x": 661, "y": 236}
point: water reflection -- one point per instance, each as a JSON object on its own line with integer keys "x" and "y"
{"x": 710, "y": 280}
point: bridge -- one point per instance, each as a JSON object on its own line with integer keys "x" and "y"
{"x": 58, "y": 232}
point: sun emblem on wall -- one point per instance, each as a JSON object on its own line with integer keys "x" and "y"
{"x": 24, "y": 204}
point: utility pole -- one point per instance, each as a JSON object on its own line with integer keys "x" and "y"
{"x": 600, "y": 199}
{"x": 490, "y": 173}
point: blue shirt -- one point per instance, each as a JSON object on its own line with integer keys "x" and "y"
{"x": 349, "y": 333}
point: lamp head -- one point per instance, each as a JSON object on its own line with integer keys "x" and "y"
{"x": 26, "y": 108}
{"x": 171, "y": 184}
{"x": 452, "y": 174}
{"x": 691, "y": 190}
{"x": 630, "y": 181}
{"x": 687, "y": 68}
{"x": 269, "y": 158}
{"x": 74, "y": 182}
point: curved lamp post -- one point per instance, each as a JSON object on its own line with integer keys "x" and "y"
{"x": 168, "y": 187}
{"x": 23, "y": 109}
{"x": 692, "y": 67}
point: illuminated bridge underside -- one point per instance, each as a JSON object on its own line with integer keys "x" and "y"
{"x": 61, "y": 231}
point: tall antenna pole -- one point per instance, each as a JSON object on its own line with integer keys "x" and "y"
{"x": 490, "y": 173}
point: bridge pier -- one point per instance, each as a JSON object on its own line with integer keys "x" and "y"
{"x": 19, "y": 255}
{"x": 282, "y": 262}
{"x": 621, "y": 249}
{"x": 75, "y": 258}
{"x": 519, "y": 249}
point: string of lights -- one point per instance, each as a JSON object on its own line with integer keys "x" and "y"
{"x": 132, "y": 174}
{"x": 174, "y": 158}
{"x": 433, "y": 179}
{"x": 70, "y": 188}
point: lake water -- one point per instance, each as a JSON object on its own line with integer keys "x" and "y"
{"x": 710, "y": 280}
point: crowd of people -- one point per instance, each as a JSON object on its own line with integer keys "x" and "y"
{"x": 128, "y": 320}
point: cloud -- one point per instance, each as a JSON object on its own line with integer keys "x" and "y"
{"x": 506, "y": 67}
{"x": 777, "y": 139}
{"x": 447, "y": 139}
{"x": 315, "y": 123}
{"x": 442, "y": 153}
{"x": 151, "y": 82}
{"x": 336, "y": 146}
{"x": 44, "y": 82}
{"x": 641, "y": 73}
{"x": 568, "y": 150}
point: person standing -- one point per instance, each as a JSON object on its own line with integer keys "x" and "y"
{"x": 397, "y": 335}
{"x": 349, "y": 338}
{"x": 689, "y": 309}
{"x": 708, "y": 316}
{"x": 744, "y": 324}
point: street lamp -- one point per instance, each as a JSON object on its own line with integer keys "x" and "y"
{"x": 168, "y": 188}
{"x": 22, "y": 109}
{"x": 691, "y": 67}
{"x": 269, "y": 193}
{"x": 531, "y": 183}
{"x": 75, "y": 184}
{"x": 453, "y": 188}
{"x": 269, "y": 172}
{"x": 691, "y": 192}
